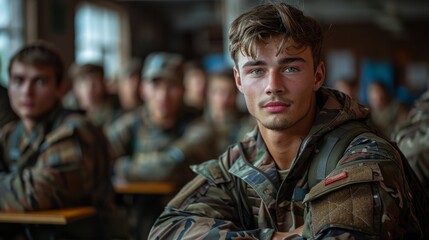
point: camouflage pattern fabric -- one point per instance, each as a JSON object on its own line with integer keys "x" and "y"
{"x": 106, "y": 113}
{"x": 143, "y": 152}
{"x": 241, "y": 194}
{"x": 412, "y": 138}
{"x": 63, "y": 163}
{"x": 6, "y": 113}
{"x": 232, "y": 130}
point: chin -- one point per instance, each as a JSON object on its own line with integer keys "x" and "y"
{"x": 277, "y": 125}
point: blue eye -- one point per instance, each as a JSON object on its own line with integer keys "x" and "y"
{"x": 17, "y": 80}
{"x": 40, "y": 81}
{"x": 291, "y": 69}
{"x": 257, "y": 71}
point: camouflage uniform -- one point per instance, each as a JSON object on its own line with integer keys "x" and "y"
{"x": 146, "y": 152}
{"x": 6, "y": 113}
{"x": 242, "y": 195}
{"x": 232, "y": 130}
{"x": 62, "y": 163}
{"x": 413, "y": 139}
{"x": 105, "y": 114}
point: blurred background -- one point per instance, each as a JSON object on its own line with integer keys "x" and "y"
{"x": 365, "y": 39}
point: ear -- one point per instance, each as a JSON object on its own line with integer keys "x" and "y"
{"x": 237, "y": 79}
{"x": 319, "y": 76}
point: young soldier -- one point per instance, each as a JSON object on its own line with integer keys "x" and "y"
{"x": 159, "y": 140}
{"x": 6, "y": 113}
{"x": 128, "y": 86}
{"x": 413, "y": 139}
{"x": 91, "y": 94}
{"x": 51, "y": 157}
{"x": 162, "y": 136}
{"x": 263, "y": 187}
{"x": 221, "y": 110}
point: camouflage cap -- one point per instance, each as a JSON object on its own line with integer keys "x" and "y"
{"x": 163, "y": 65}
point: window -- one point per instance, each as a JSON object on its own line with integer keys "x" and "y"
{"x": 11, "y": 33}
{"x": 98, "y": 37}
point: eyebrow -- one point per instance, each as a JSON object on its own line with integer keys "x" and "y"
{"x": 291, "y": 59}
{"x": 285, "y": 60}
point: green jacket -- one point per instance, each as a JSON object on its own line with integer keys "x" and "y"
{"x": 242, "y": 195}
{"x": 144, "y": 152}
{"x": 63, "y": 163}
{"x": 413, "y": 139}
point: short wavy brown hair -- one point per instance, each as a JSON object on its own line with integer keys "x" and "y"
{"x": 40, "y": 54}
{"x": 273, "y": 19}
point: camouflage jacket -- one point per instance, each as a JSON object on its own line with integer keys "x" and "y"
{"x": 232, "y": 130}
{"x": 106, "y": 113}
{"x": 62, "y": 163}
{"x": 241, "y": 195}
{"x": 143, "y": 151}
{"x": 413, "y": 139}
{"x": 6, "y": 113}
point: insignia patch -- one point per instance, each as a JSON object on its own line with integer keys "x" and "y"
{"x": 336, "y": 177}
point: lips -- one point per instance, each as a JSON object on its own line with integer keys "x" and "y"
{"x": 276, "y": 106}
{"x": 27, "y": 104}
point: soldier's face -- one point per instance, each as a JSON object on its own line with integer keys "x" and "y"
{"x": 164, "y": 99}
{"x": 33, "y": 91}
{"x": 279, "y": 89}
{"x": 89, "y": 90}
{"x": 222, "y": 94}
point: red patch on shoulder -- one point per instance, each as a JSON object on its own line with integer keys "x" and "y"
{"x": 336, "y": 177}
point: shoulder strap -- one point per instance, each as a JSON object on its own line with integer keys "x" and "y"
{"x": 331, "y": 148}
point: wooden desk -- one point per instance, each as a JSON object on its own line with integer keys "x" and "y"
{"x": 146, "y": 200}
{"x": 54, "y": 217}
{"x": 151, "y": 188}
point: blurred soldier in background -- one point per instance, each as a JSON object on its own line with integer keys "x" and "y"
{"x": 6, "y": 113}
{"x": 222, "y": 112}
{"x": 162, "y": 136}
{"x": 195, "y": 83}
{"x": 128, "y": 86}
{"x": 90, "y": 90}
{"x": 52, "y": 158}
{"x": 412, "y": 138}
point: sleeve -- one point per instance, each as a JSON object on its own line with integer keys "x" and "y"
{"x": 62, "y": 175}
{"x": 195, "y": 146}
{"x": 120, "y": 135}
{"x": 203, "y": 210}
{"x": 365, "y": 197}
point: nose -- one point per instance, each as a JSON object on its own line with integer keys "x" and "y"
{"x": 274, "y": 84}
{"x": 28, "y": 88}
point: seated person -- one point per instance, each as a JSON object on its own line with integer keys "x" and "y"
{"x": 386, "y": 111}
{"x": 195, "y": 83}
{"x": 349, "y": 86}
{"x": 91, "y": 94}
{"x": 412, "y": 137}
{"x": 160, "y": 139}
{"x": 6, "y": 113}
{"x": 51, "y": 157}
{"x": 221, "y": 111}
{"x": 128, "y": 86}
{"x": 294, "y": 176}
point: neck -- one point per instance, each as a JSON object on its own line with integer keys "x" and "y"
{"x": 284, "y": 144}
{"x": 29, "y": 125}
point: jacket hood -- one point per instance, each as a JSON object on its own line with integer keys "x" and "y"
{"x": 336, "y": 108}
